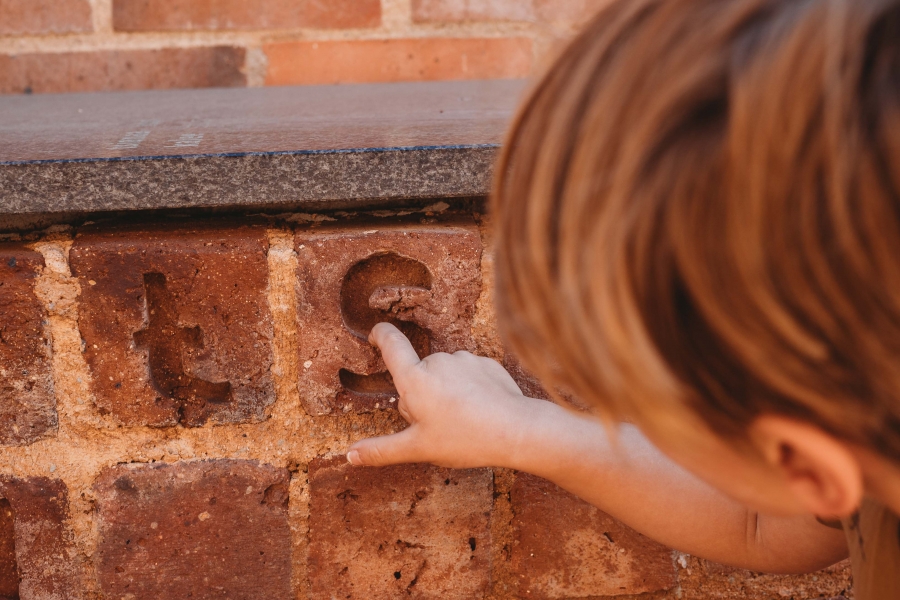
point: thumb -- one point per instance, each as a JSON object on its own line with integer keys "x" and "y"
{"x": 382, "y": 451}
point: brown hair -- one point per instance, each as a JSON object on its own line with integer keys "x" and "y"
{"x": 698, "y": 207}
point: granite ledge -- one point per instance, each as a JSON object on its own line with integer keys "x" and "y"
{"x": 291, "y": 179}
{"x": 315, "y": 147}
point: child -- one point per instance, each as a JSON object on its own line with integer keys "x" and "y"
{"x": 698, "y": 233}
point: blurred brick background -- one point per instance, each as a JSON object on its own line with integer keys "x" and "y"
{"x": 92, "y": 45}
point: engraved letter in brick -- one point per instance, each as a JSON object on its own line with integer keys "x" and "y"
{"x": 384, "y": 287}
{"x": 176, "y": 323}
{"x": 167, "y": 343}
{"x": 424, "y": 278}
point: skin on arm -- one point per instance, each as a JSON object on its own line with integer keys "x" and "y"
{"x": 466, "y": 411}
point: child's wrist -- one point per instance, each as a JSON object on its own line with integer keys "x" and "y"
{"x": 517, "y": 447}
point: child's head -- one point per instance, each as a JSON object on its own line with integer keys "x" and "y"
{"x": 698, "y": 215}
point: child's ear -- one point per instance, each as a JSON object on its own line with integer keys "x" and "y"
{"x": 821, "y": 471}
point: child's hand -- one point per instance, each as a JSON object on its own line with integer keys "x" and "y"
{"x": 463, "y": 410}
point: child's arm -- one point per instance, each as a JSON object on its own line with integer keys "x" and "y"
{"x": 466, "y": 411}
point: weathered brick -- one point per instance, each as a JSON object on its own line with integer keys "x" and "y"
{"x": 31, "y": 17}
{"x": 533, "y": 388}
{"x": 566, "y": 548}
{"x": 704, "y": 580}
{"x": 175, "y": 15}
{"x": 425, "y": 59}
{"x": 27, "y": 403}
{"x": 425, "y": 278}
{"x": 571, "y": 12}
{"x": 38, "y": 555}
{"x": 9, "y": 568}
{"x": 425, "y": 11}
{"x": 218, "y": 66}
{"x": 205, "y": 529}
{"x": 408, "y": 531}
{"x": 528, "y": 383}
{"x": 176, "y": 324}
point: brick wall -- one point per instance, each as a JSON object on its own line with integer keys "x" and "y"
{"x": 88, "y": 45}
{"x": 176, "y": 400}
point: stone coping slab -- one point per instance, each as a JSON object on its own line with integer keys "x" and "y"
{"x": 310, "y": 147}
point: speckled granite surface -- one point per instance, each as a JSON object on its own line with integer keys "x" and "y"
{"x": 277, "y": 148}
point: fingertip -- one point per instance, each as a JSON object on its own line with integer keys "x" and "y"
{"x": 376, "y": 331}
{"x": 354, "y": 458}
{"x": 396, "y": 349}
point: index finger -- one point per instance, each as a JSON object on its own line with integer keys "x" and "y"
{"x": 396, "y": 349}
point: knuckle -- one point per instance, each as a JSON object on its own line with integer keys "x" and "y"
{"x": 490, "y": 363}
{"x": 434, "y": 360}
{"x": 375, "y": 456}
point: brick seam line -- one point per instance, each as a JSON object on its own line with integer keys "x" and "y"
{"x": 396, "y": 14}
{"x": 298, "y": 519}
{"x": 59, "y": 292}
{"x": 282, "y": 264}
{"x": 102, "y": 15}
{"x": 191, "y": 39}
{"x": 503, "y": 580}
{"x": 256, "y": 65}
{"x": 282, "y": 299}
{"x": 484, "y": 330}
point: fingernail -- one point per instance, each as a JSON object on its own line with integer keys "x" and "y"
{"x": 353, "y": 457}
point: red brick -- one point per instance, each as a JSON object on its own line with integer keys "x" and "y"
{"x": 408, "y": 531}
{"x": 176, "y": 323}
{"x": 425, "y": 59}
{"x": 571, "y": 12}
{"x": 532, "y": 387}
{"x": 9, "y": 568}
{"x": 566, "y": 548}
{"x": 178, "y": 15}
{"x": 31, "y": 17}
{"x": 218, "y": 66}
{"x": 425, "y": 278}
{"x": 528, "y": 383}
{"x": 44, "y": 554}
{"x": 425, "y": 11}
{"x": 704, "y": 580}
{"x": 27, "y": 403}
{"x": 205, "y": 529}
